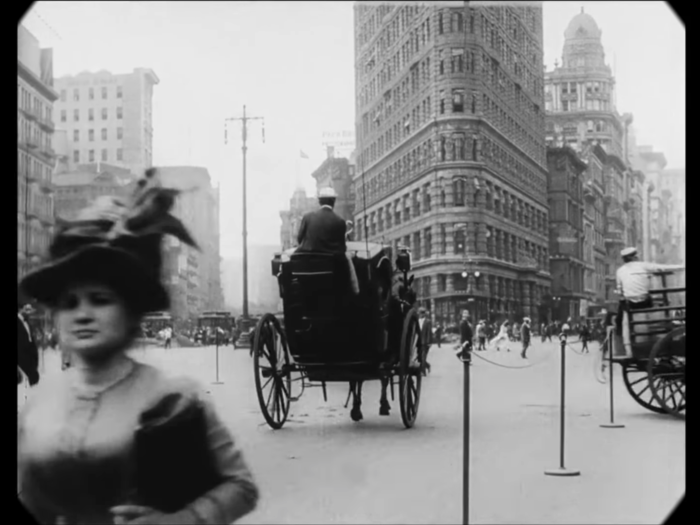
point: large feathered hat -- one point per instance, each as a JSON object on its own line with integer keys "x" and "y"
{"x": 117, "y": 242}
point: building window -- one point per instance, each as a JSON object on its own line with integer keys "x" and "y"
{"x": 76, "y": 156}
{"x": 458, "y": 101}
{"x": 119, "y": 112}
{"x": 91, "y": 114}
{"x": 120, "y": 155}
{"x": 91, "y": 135}
{"x": 460, "y": 239}
{"x": 441, "y": 62}
{"x": 442, "y": 149}
{"x": 76, "y": 135}
{"x": 428, "y": 243}
{"x": 76, "y": 115}
{"x": 459, "y": 147}
{"x": 119, "y": 92}
{"x": 63, "y": 115}
{"x": 104, "y": 93}
{"x": 76, "y": 95}
{"x": 63, "y": 95}
{"x": 441, "y": 26}
{"x": 460, "y": 190}
{"x": 120, "y": 133}
{"x": 91, "y": 94}
{"x": 91, "y": 155}
{"x": 456, "y": 25}
{"x": 104, "y": 155}
{"x": 104, "y": 133}
{"x": 442, "y": 102}
{"x": 104, "y": 113}
{"x": 457, "y": 62}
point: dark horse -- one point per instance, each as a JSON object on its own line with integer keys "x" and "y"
{"x": 397, "y": 304}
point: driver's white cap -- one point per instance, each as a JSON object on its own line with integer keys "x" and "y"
{"x": 327, "y": 193}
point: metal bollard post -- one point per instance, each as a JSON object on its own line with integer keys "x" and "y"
{"x": 612, "y": 423}
{"x": 466, "y": 359}
{"x": 562, "y": 470}
{"x": 217, "y": 382}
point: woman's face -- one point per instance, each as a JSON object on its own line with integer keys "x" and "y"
{"x": 93, "y": 321}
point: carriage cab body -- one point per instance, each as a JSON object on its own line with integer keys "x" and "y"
{"x": 326, "y": 323}
{"x": 341, "y": 324}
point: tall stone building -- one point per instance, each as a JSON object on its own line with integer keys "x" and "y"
{"x": 594, "y": 230}
{"x": 193, "y": 276}
{"x": 108, "y": 118}
{"x": 570, "y": 254}
{"x": 582, "y": 114}
{"x": 451, "y": 153}
{"x": 35, "y": 156}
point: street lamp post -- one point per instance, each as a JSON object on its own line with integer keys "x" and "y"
{"x": 466, "y": 359}
{"x": 244, "y": 339}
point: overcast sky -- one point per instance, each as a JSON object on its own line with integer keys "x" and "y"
{"x": 293, "y": 63}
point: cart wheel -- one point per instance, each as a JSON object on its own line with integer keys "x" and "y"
{"x": 271, "y": 362}
{"x": 410, "y": 369}
{"x": 636, "y": 379}
{"x": 601, "y": 363}
{"x": 666, "y": 372}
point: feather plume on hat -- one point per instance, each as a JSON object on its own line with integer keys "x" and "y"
{"x": 118, "y": 238}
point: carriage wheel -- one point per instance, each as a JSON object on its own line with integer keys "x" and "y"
{"x": 273, "y": 380}
{"x": 601, "y": 363}
{"x": 410, "y": 369}
{"x": 666, "y": 372}
{"x": 636, "y": 381}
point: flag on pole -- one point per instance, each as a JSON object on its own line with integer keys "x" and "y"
{"x": 303, "y": 155}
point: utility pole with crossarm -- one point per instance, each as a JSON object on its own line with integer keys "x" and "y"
{"x": 244, "y": 340}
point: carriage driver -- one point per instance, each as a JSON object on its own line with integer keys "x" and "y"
{"x": 633, "y": 282}
{"x": 323, "y": 231}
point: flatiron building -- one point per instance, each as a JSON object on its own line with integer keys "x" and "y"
{"x": 451, "y": 151}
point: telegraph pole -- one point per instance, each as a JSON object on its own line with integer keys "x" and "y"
{"x": 244, "y": 340}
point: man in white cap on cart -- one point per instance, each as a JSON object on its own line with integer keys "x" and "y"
{"x": 633, "y": 282}
{"x": 324, "y": 231}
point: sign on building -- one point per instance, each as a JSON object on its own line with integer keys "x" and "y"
{"x": 342, "y": 142}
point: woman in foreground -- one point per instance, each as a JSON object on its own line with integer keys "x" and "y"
{"x": 111, "y": 440}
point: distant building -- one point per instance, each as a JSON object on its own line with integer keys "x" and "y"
{"x": 78, "y": 188}
{"x": 108, "y": 118}
{"x": 299, "y": 205}
{"x": 580, "y": 94}
{"x": 193, "y": 276}
{"x": 337, "y": 173}
{"x": 263, "y": 289}
{"x": 569, "y": 253}
{"x": 35, "y": 156}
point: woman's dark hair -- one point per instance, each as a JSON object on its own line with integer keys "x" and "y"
{"x": 327, "y": 201}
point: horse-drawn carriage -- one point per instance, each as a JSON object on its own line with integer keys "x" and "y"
{"x": 334, "y": 334}
{"x": 651, "y": 350}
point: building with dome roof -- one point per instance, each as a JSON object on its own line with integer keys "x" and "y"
{"x": 581, "y": 113}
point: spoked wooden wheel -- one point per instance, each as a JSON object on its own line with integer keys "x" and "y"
{"x": 273, "y": 380}
{"x": 410, "y": 369}
{"x": 666, "y": 372}
{"x": 636, "y": 379}
{"x": 601, "y": 362}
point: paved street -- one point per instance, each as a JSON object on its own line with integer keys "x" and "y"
{"x": 324, "y": 468}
